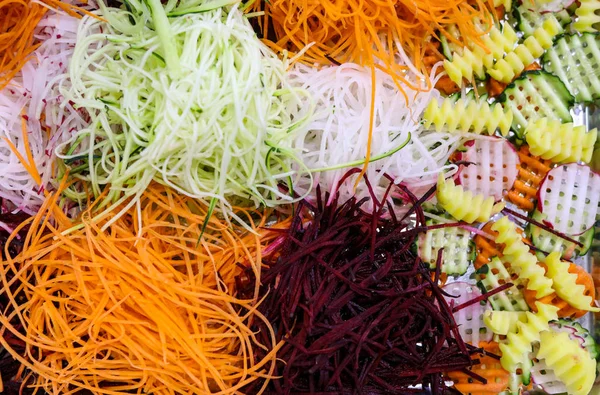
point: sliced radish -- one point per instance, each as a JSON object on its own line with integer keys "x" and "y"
{"x": 569, "y": 197}
{"x": 469, "y": 319}
{"x": 494, "y": 169}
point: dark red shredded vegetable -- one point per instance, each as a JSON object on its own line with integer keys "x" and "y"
{"x": 358, "y": 311}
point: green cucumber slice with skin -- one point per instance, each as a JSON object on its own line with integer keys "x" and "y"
{"x": 528, "y": 20}
{"x": 548, "y": 242}
{"x": 575, "y": 60}
{"x": 493, "y": 275}
{"x": 534, "y": 95}
{"x": 459, "y": 251}
{"x": 579, "y": 332}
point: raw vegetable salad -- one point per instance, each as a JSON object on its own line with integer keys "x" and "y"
{"x": 298, "y": 196}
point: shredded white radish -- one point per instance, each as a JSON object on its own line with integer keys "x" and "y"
{"x": 336, "y": 137}
{"x": 33, "y": 94}
{"x": 493, "y": 168}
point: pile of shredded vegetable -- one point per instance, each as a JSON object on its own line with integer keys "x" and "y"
{"x": 34, "y": 117}
{"x": 338, "y": 132}
{"x": 19, "y": 20}
{"x": 219, "y": 129}
{"x": 138, "y": 307}
{"x": 370, "y": 31}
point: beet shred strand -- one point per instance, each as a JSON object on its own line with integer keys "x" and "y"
{"x": 358, "y": 312}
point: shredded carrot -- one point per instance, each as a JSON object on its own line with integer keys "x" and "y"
{"x": 18, "y": 20}
{"x": 489, "y": 368}
{"x": 531, "y": 173}
{"x": 364, "y": 31}
{"x": 138, "y": 307}
{"x": 566, "y": 310}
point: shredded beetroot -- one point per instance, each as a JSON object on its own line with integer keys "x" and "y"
{"x": 357, "y": 310}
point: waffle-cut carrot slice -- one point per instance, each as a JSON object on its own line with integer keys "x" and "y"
{"x": 566, "y": 310}
{"x": 487, "y": 249}
{"x": 489, "y": 368}
{"x": 532, "y": 171}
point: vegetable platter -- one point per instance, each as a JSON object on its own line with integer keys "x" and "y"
{"x": 299, "y": 197}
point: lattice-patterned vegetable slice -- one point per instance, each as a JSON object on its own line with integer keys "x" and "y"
{"x": 493, "y": 170}
{"x": 493, "y": 275}
{"x": 469, "y": 319}
{"x": 549, "y": 242}
{"x": 489, "y": 368}
{"x": 577, "y": 332}
{"x": 529, "y": 20}
{"x": 485, "y": 248}
{"x": 458, "y": 249}
{"x": 534, "y": 95}
{"x": 569, "y": 197}
{"x": 531, "y": 173}
{"x": 575, "y": 60}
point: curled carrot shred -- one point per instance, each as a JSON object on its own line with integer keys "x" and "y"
{"x": 143, "y": 306}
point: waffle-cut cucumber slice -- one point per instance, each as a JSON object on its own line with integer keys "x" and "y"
{"x": 549, "y": 242}
{"x": 534, "y": 95}
{"x": 575, "y": 60}
{"x": 570, "y": 197}
{"x": 449, "y": 47}
{"x": 459, "y": 251}
{"x": 578, "y": 332}
{"x": 528, "y": 20}
{"x": 493, "y": 275}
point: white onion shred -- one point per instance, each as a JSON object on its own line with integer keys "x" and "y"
{"x": 339, "y": 130}
{"x": 33, "y": 93}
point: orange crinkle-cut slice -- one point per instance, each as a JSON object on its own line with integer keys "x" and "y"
{"x": 566, "y": 310}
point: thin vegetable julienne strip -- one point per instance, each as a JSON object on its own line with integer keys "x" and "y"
{"x": 165, "y": 311}
{"x": 18, "y": 20}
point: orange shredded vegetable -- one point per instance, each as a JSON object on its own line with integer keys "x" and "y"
{"x": 18, "y": 21}
{"x": 145, "y": 309}
{"x": 364, "y": 31}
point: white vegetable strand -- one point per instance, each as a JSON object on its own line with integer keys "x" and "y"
{"x": 33, "y": 93}
{"x": 338, "y": 132}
